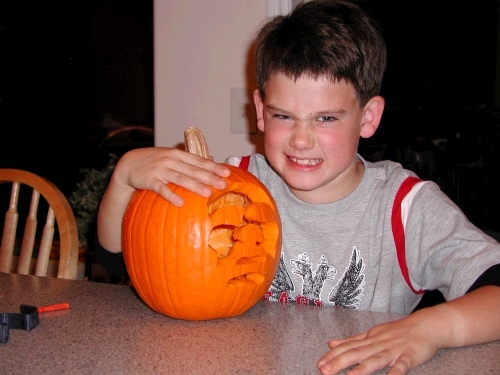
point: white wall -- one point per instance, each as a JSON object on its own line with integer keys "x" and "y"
{"x": 201, "y": 52}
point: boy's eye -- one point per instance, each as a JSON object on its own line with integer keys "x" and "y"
{"x": 282, "y": 117}
{"x": 326, "y": 118}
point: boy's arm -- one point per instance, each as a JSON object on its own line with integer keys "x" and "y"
{"x": 471, "y": 319}
{"x": 152, "y": 168}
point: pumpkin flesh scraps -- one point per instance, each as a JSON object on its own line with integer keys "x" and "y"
{"x": 227, "y": 218}
{"x": 228, "y": 199}
{"x": 240, "y": 231}
{"x": 248, "y": 233}
{"x": 259, "y": 212}
{"x": 221, "y": 240}
{"x": 227, "y": 212}
{"x": 227, "y": 215}
{"x": 237, "y": 219}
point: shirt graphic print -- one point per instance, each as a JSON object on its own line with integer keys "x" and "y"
{"x": 346, "y": 293}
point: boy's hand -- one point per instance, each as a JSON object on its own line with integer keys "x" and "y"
{"x": 401, "y": 345}
{"x": 152, "y": 168}
{"x": 413, "y": 340}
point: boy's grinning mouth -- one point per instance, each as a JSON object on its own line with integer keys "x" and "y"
{"x": 306, "y": 161}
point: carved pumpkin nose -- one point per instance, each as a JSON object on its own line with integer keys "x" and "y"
{"x": 212, "y": 258}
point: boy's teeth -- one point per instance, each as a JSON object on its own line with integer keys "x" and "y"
{"x": 306, "y": 161}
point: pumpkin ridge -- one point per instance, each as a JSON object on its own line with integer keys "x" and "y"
{"x": 175, "y": 287}
{"x": 154, "y": 264}
{"x": 161, "y": 259}
{"x": 130, "y": 263}
{"x": 147, "y": 256}
{"x": 128, "y": 218}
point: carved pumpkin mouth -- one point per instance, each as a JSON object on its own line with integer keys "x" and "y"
{"x": 239, "y": 227}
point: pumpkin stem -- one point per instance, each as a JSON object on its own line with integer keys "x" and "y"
{"x": 195, "y": 143}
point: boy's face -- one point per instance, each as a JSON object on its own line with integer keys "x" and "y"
{"x": 312, "y": 129}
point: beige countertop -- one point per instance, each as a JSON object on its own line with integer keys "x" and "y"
{"x": 108, "y": 330}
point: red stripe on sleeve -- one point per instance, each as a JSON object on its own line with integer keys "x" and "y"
{"x": 244, "y": 162}
{"x": 398, "y": 229}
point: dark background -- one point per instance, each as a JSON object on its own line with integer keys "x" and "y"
{"x": 440, "y": 88}
{"x": 71, "y": 71}
{"x": 442, "y": 60}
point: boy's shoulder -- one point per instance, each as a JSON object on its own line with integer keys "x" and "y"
{"x": 388, "y": 180}
{"x": 387, "y": 170}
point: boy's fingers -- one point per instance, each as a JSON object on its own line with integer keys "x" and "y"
{"x": 198, "y": 181}
{"x": 202, "y": 169}
{"x": 170, "y": 196}
{"x": 190, "y": 184}
{"x": 217, "y": 168}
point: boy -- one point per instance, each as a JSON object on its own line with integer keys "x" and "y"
{"x": 377, "y": 235}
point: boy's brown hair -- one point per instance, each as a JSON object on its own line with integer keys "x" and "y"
{"x": 328, "y": 38}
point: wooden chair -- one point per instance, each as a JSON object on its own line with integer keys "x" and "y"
{"x": 58, "y": 211}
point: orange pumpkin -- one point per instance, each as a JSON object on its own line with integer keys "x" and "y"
{"x": 212, "y": 258}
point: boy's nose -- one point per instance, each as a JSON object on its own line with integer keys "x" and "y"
{"x": 302, "y": 137}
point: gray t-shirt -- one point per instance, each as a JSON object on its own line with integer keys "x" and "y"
{"x": 362, "y": 253}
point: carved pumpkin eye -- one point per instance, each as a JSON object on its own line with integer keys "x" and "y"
{"x": 212, "y": 258}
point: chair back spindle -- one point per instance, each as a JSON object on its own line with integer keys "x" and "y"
{"x": 59, "y": 215}
{"x": 28, "y": 243}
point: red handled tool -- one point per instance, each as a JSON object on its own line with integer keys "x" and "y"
{"x": 27, "y": 319}
{"x": 57, "y": 306}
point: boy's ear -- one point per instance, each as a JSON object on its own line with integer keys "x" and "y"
{"x": 259, "y": 109}
{"x": 372, "y": 116}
